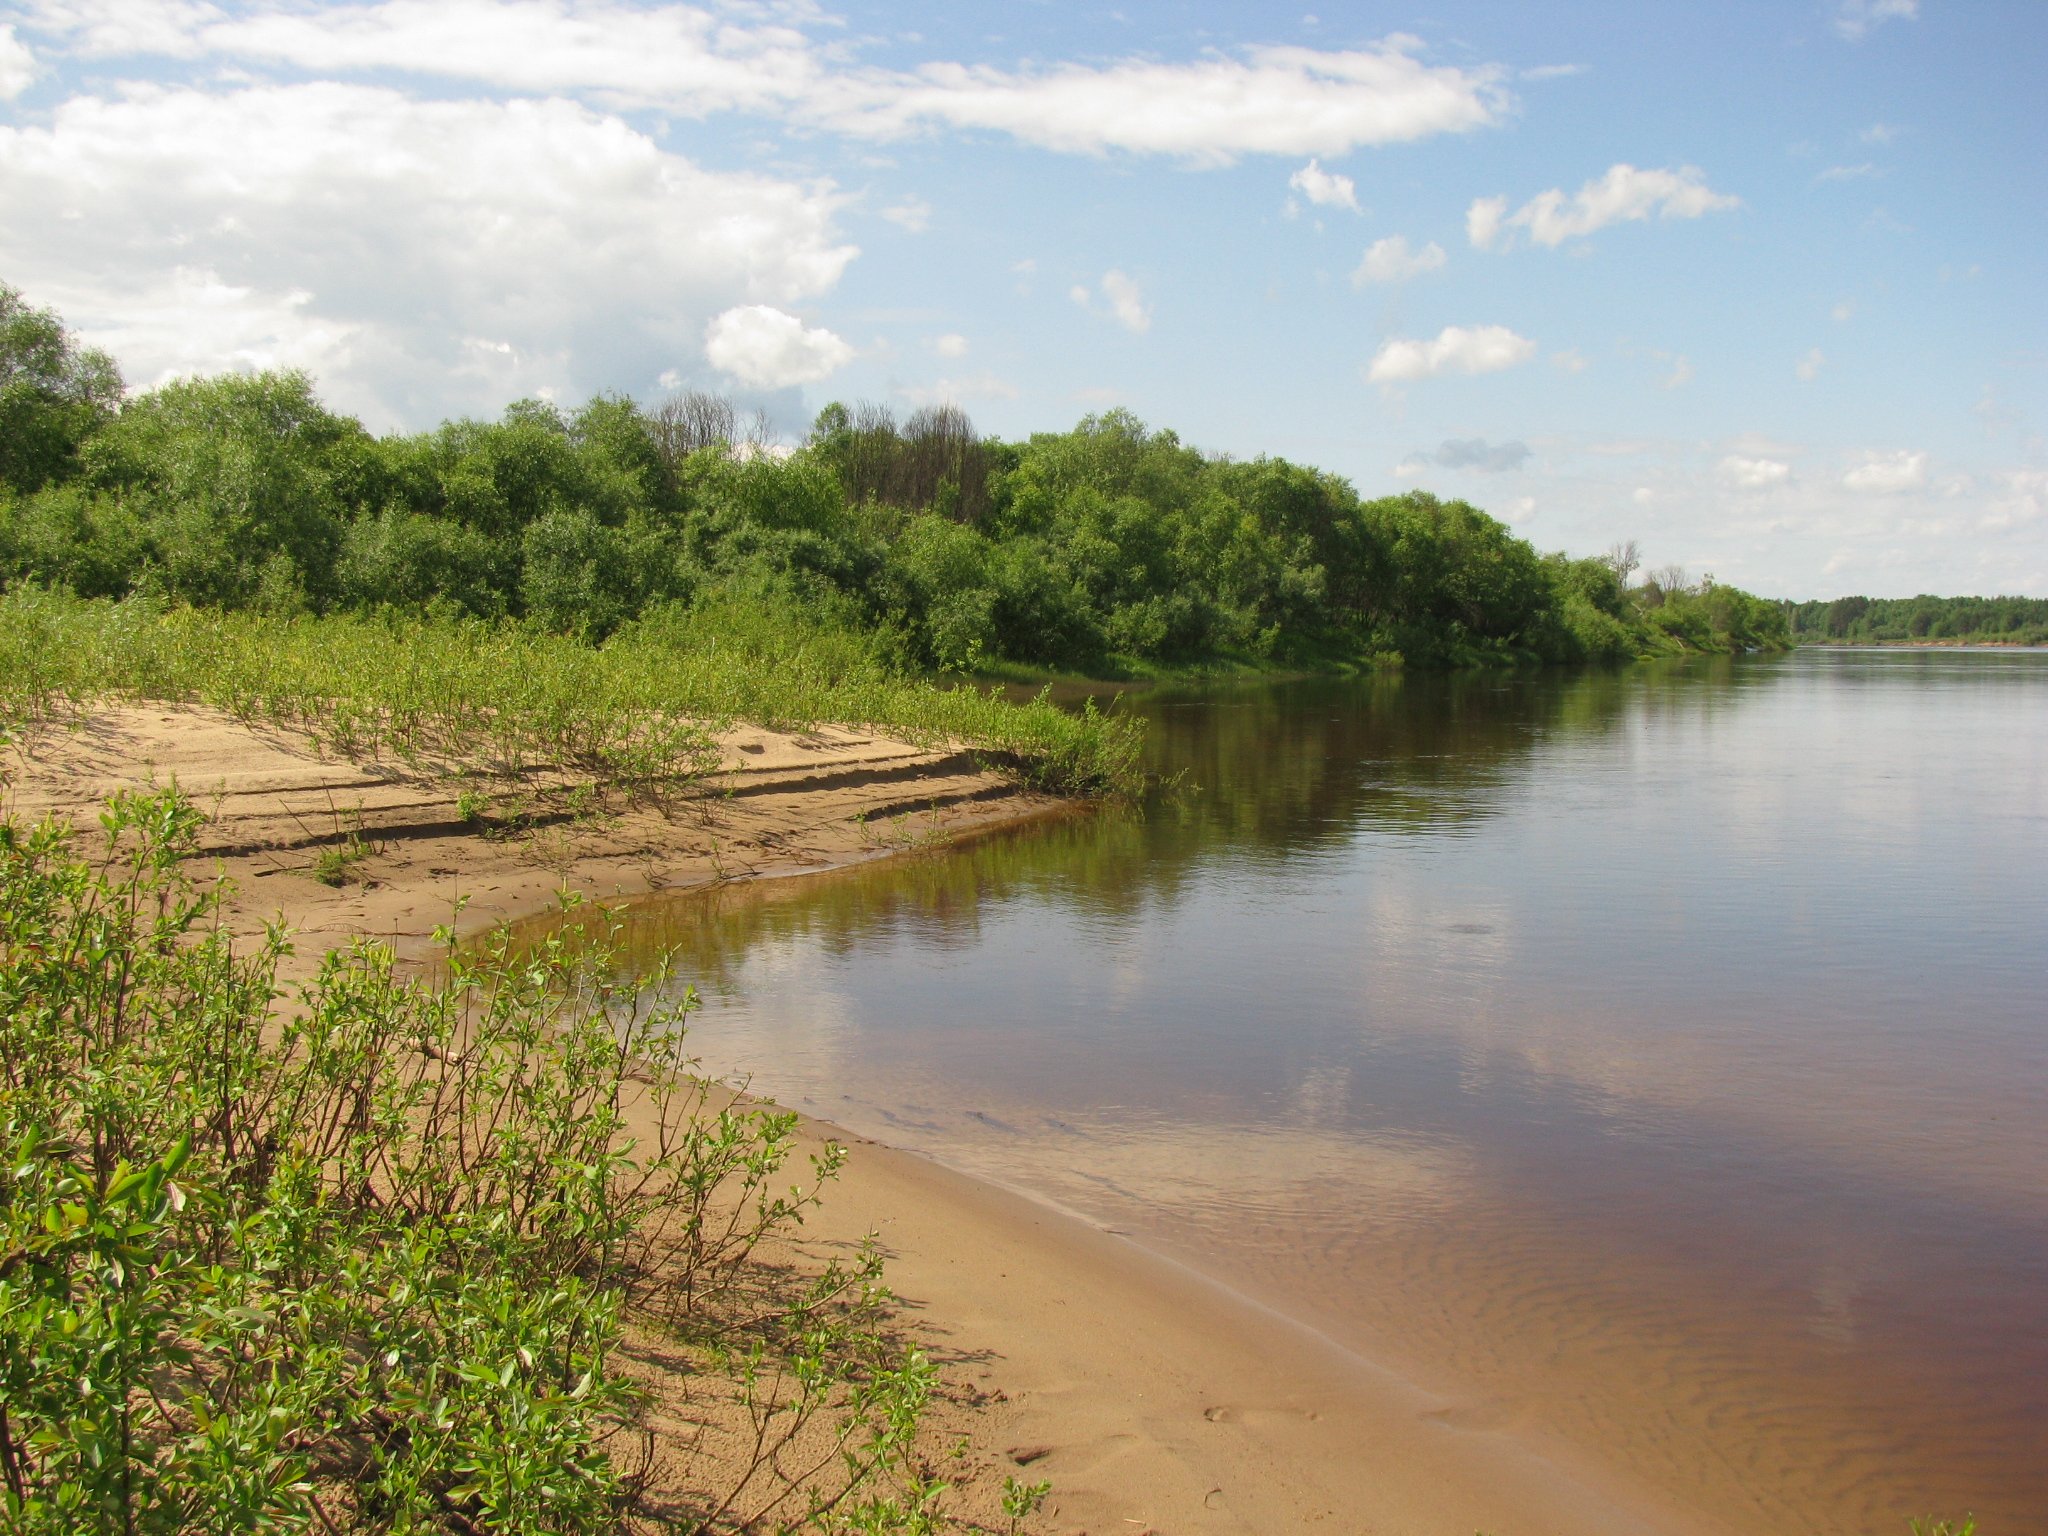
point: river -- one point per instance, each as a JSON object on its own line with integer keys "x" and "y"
{"x": 1655, "y": 1060}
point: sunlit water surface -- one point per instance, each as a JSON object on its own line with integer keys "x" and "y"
{"x": 1654, "y": 1060}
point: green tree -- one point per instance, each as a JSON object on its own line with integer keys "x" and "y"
{"x": 232, "y": 474}
{"x": 53, "y": 394}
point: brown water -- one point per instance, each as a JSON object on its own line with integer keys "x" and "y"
{"x": 1653, "y": 1061}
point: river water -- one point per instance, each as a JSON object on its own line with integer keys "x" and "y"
{"x": 1655, "y": 1060}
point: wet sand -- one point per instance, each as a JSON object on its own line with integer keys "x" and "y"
{"x": 1153, "y": 1399}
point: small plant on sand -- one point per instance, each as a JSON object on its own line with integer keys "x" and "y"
{"x": 336, "y": 864}
{"x": 1022, "y": 1500}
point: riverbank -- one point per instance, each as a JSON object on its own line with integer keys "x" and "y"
{"x": 1151, "y": 1399}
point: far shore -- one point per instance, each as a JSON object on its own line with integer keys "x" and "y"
{"x": 1151, "y": 1398}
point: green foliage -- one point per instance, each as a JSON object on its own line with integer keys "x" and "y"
{"x": 1923, "y": 620}
{"x": 232, "y": 476}
{"x": 53, "y": 395}
{"x": 636, "y": 713}
{"x": 362, "y": 1263}
{"x": 1022, "y": 1500}
{"x": 1111, "y": 547}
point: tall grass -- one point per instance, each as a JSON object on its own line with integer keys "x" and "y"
{"x": 639, "y": 709}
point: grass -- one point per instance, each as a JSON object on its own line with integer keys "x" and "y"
{"x": 637, "y": 711}
{"x": 336, "y": 863}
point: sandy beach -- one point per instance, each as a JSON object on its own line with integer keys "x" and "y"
{"x": 1152, "y": 1399}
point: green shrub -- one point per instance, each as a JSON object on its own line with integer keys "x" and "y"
{"x": 362, "y": 1263}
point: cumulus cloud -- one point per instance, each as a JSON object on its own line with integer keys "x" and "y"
{"x": 1457, "y": 349}
{"x": 17, "y": 65}
{"x": 952, "y": 344}
{"x": 1808, "y": 367}
{"x": 1391, "y": 261}
{"x": 766, "y": 348}
{"x": 1483, "y": 221}
{"x": 1754, "y": 474}
{"x": 1326, "y": 189}
{"x": 1477, "y": 453}
{"x": 1624, "y": 194}
{"x": 1855, "y": 18}
{"x": 375, "y": 235}
{"x": 1888, "y": 474}
{"x": 1124, "y": 301}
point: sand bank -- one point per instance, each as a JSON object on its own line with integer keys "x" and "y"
{"x": 1152, "y": 1399}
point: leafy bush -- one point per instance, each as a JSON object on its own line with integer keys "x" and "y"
{"x": 363, "y": 1262}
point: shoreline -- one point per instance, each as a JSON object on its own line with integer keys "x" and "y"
{"x": 1153, "y": 1398}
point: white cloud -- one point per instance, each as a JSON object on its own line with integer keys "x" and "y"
{"x": 1679, "y": 376}
{"x": 1843, "y": 312}
{"x": 1521, "y": 510}
{"x": 367, "y": 234}
{"x": 1267, "y": 101}
{"x": 1863, "y": 171}
{"x": 979, "y": 386}
{"x": 1126, "y": 301}
{"x": 2025, "y": 501}
{"x": 1391, "y": 261}
{"x": 17, "y": 65}
{"x": 1570, "y": 360}
{"x": 952, "y": 344}
{"x": 1855, "y": 18}
{"x": 1808, "y": 367}
{"x": 912, "y": 213}
{"x": 122, "y": 28}
{"x": 1747, "y": 474}
{"x": 1457, "y": 349}
{"x": 1879, "y": 133}
{"x": 1624, "y": 194}
{"x": 766, "y": 348}
{"x": 685, "y": 60}
{"x": 1888, "y": 474}
{"x": 1483, "y": 220}
{"x": 696, "y": 60}
{"x": 1326, "y": 189}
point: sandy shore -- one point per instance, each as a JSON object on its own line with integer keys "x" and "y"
{"x": 1152, "y": 1399}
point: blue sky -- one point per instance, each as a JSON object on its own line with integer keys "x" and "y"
{"x": 1757, "y": 285}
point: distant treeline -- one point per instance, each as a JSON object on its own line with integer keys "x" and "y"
{"x": 1109, "y": 546}
{"x": 1920, "y": 620}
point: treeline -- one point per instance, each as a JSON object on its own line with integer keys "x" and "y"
{"x": 1920, "y": 620}
{"x": 1109, "y": 546}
